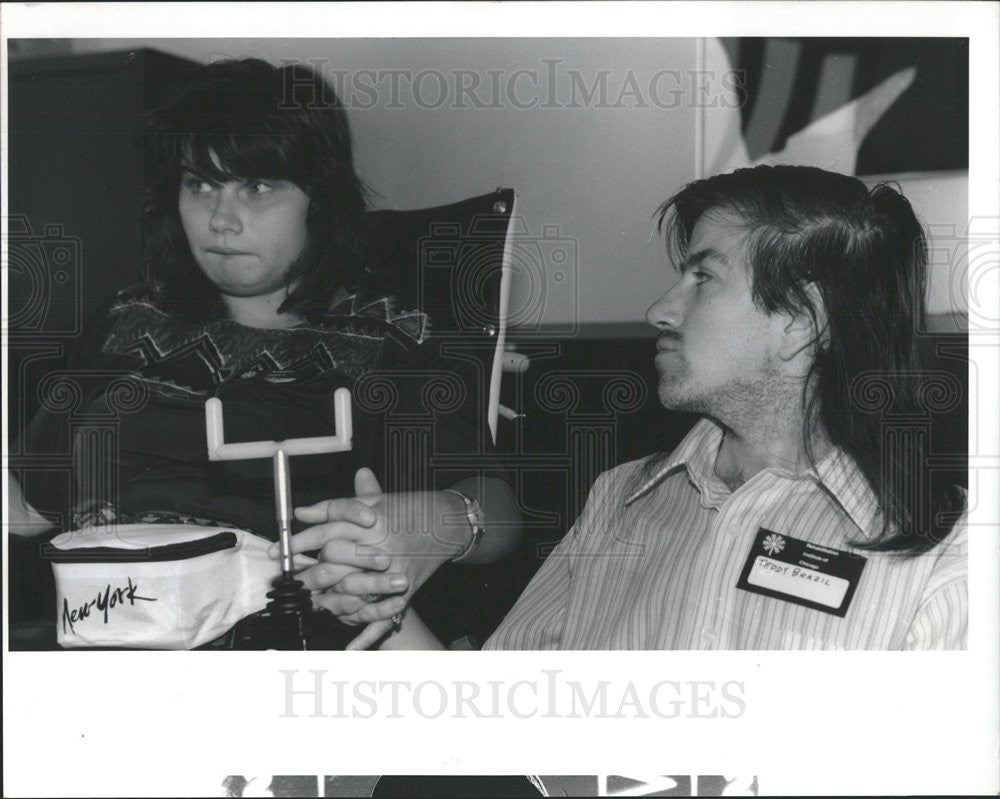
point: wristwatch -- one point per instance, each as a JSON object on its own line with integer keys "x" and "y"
{"x": 474, "y": 513}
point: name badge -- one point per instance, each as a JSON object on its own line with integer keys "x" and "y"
{"x": 787, "y": 568}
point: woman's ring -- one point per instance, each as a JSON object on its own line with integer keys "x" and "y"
{"x": 397, "y": 621}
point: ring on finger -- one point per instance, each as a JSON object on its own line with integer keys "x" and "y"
{"x": 397, "y": 621}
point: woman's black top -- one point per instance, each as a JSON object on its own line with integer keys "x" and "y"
{"x": 129, "y": 413}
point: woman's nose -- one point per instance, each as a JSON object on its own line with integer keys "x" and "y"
{"x": 225, "y": 213}
{"x": 666, "y": 312}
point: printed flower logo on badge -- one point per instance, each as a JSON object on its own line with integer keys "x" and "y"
{"x": 773, "y": 543}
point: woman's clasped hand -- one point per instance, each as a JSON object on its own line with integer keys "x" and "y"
{"x": 375, "y": 550}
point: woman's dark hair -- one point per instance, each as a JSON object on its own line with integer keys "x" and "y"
{"x": 819, "y": 237}
{"x": 259, "y": 121}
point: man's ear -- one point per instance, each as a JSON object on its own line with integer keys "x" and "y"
{"x": 805, "y": 331}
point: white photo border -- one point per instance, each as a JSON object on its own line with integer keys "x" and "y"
{"x": 146, "y": 723}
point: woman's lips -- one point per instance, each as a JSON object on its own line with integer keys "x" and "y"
{"x": 225, "y": 251}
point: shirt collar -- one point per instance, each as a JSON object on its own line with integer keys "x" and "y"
{"x": 836, "y": 473}
{"x": 840, "y": 476}
{"x": 696, "y": 452}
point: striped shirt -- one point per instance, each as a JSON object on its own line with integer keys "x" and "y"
{"x": 654, "y": 564}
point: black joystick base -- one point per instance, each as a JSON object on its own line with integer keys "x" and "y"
{"x": 290, "y": 622}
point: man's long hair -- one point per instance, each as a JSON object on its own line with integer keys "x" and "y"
{"x": 244, "y": 120}
{"x": 819, "y": 237}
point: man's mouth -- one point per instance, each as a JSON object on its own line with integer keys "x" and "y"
{"x": 667, "y": 343}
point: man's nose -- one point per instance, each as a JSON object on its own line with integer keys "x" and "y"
{"x": 666, "y": 312}
{"x": 225, "y": 214}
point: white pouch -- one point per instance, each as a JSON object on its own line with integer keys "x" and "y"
{"x": 156, "y": 586}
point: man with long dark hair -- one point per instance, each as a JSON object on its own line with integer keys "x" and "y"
{"x": 786, "y": 519}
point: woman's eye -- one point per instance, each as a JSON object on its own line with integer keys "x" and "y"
{"x": 197, "y": 185}
{"x": 257, "y": 187}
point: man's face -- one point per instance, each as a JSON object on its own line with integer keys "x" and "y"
{"x": 717, "y": 353}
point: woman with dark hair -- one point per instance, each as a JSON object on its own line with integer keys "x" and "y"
{"x": 243, "y": 121}
{"x": 256, "y": 290}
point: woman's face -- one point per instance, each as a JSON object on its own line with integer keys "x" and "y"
{"x": 245, "y": 235}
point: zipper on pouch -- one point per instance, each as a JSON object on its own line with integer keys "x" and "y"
{"x": 180, "y": 551}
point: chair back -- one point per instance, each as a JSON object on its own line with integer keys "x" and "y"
{"x": 453, "y": 263}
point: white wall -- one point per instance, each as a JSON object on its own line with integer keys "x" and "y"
{"x": 590, "y": 176}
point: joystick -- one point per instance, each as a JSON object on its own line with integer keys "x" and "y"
{"x": 289, "y": 622}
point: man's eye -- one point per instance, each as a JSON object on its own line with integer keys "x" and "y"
{"x": 700, "y": 275}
